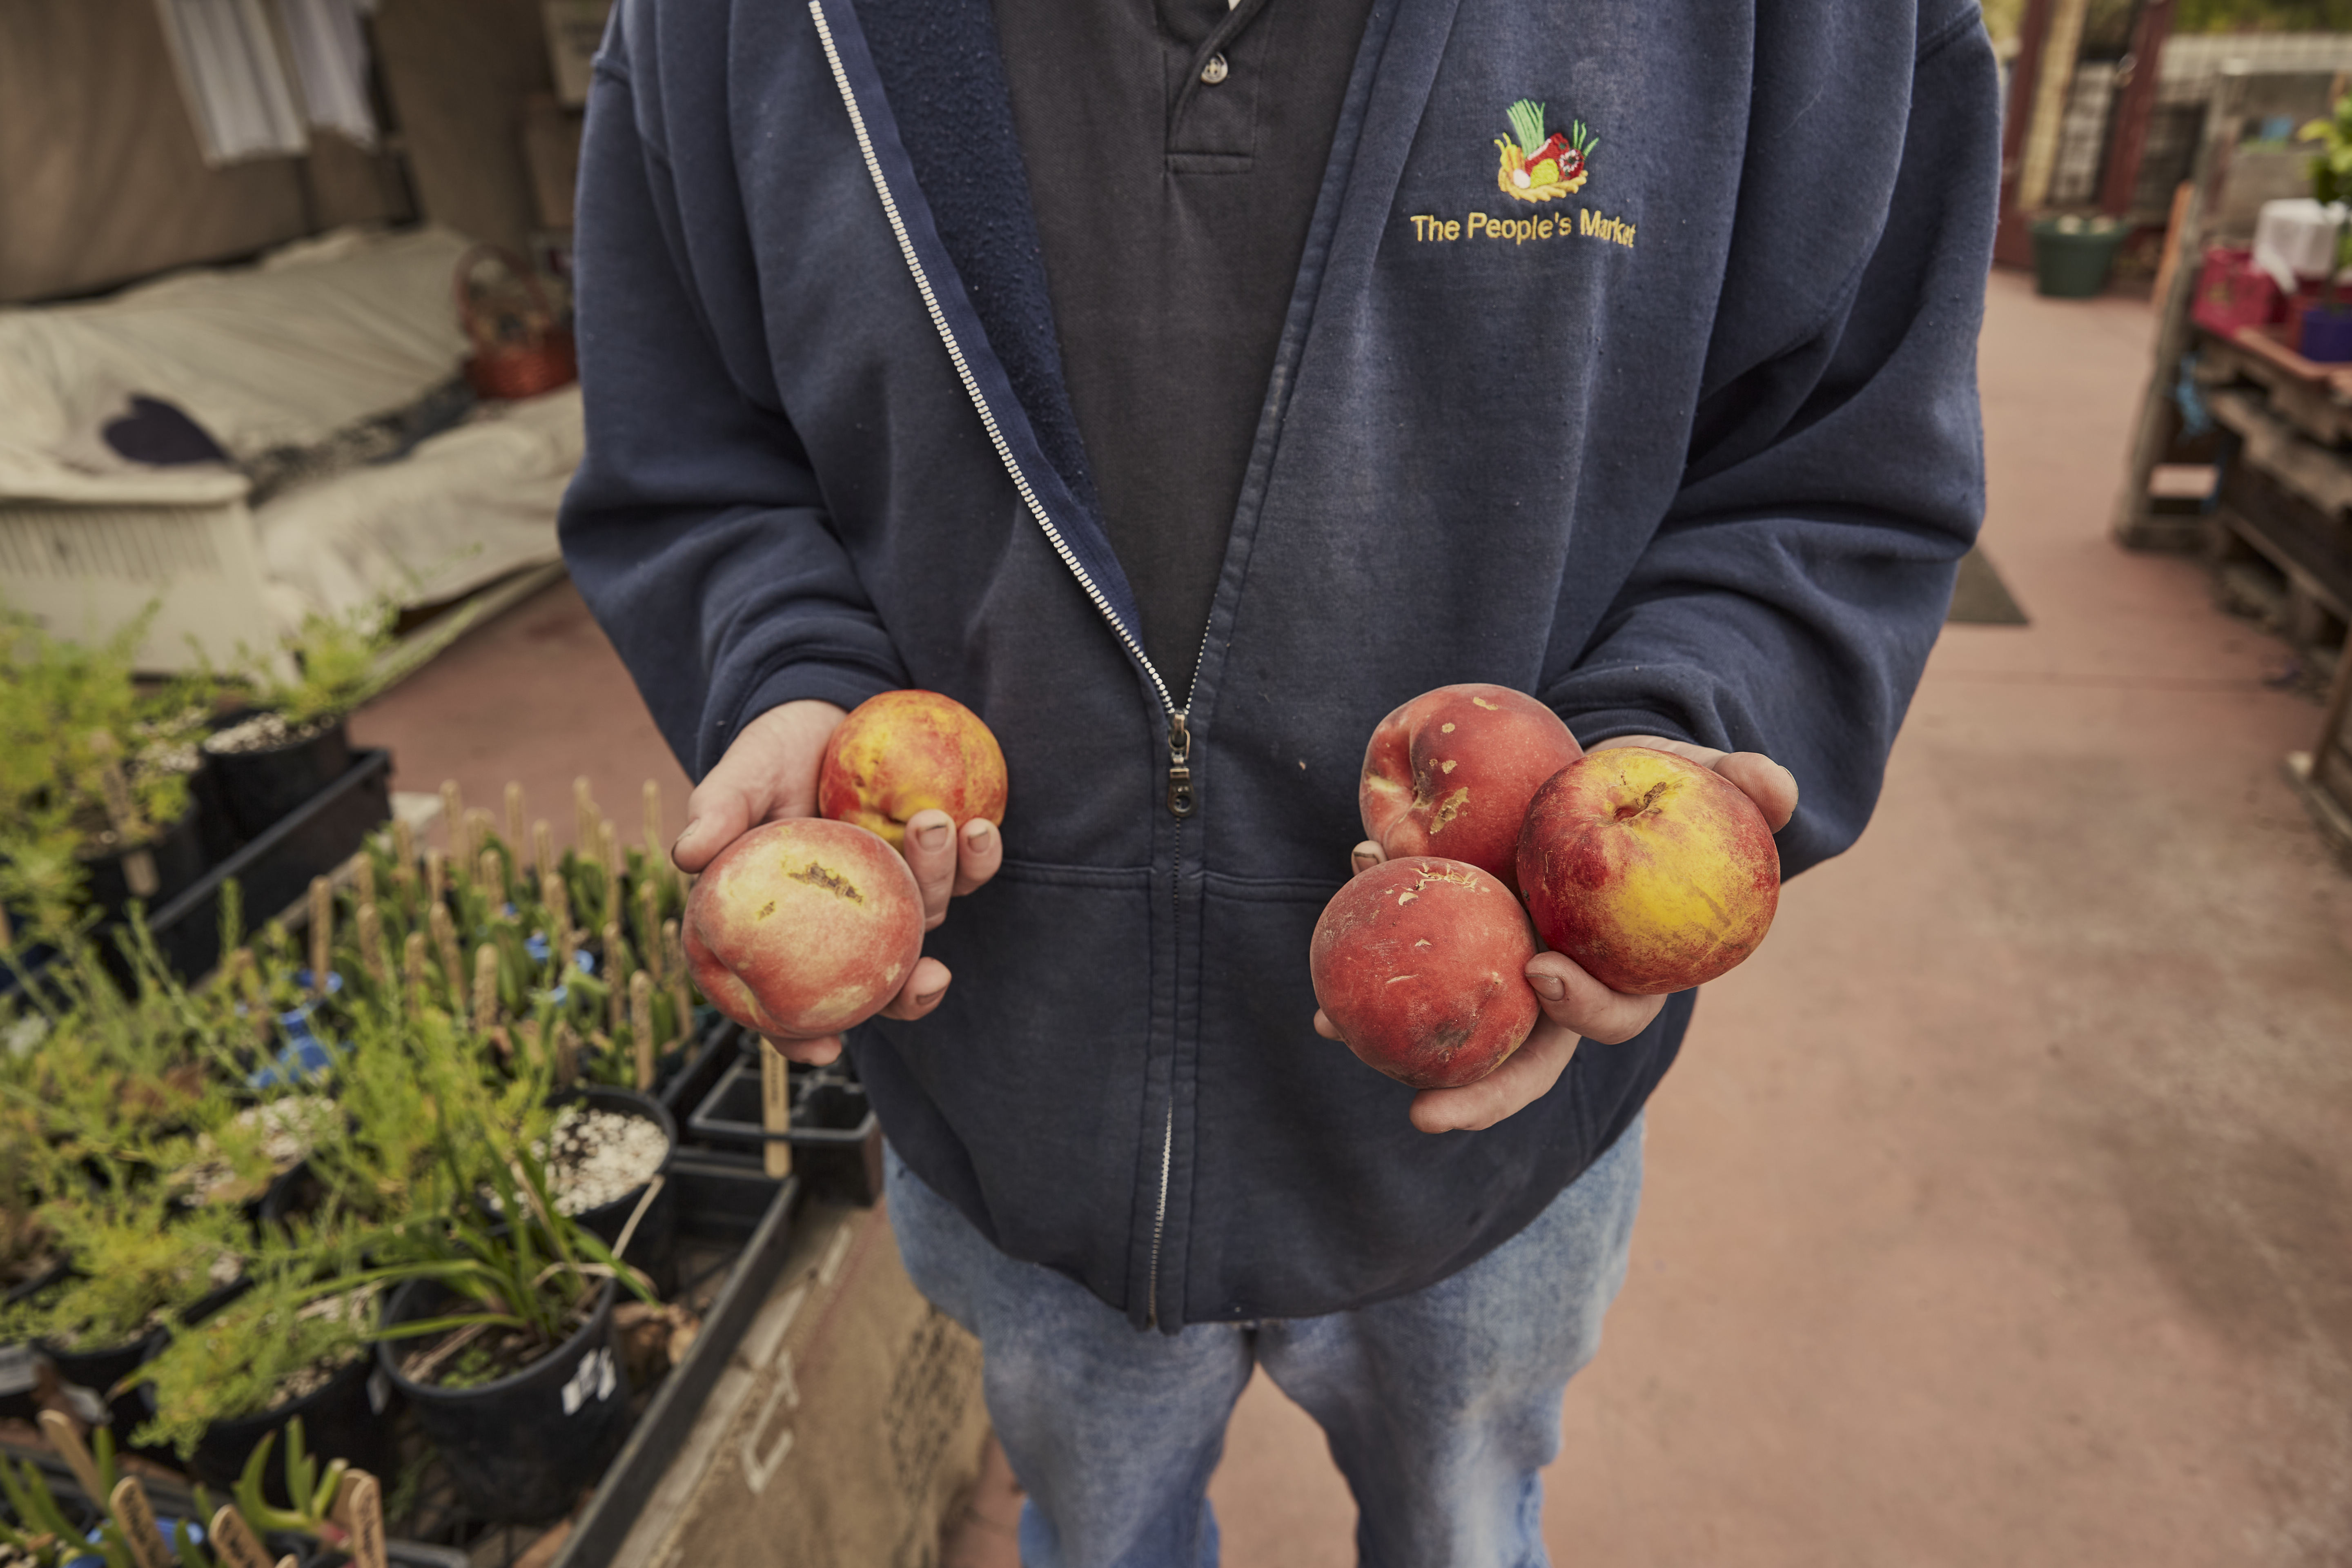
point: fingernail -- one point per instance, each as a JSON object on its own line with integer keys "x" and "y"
{"x": 976, "y": 832}
{"x": 1547, "y": 986}
{"x": 924, "y": 999}
{"x": 932, "y": 837}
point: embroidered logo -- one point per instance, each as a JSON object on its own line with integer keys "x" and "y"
{"x": 1541, "y": 167}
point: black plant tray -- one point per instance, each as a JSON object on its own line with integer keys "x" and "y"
{"x": 272, "y": 871}
{"x": 834, "y": 1137}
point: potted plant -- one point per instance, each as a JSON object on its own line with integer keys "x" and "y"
{"x": 293, "y": 741}
{"x": 501, "y": 1339}
{"x": 295, "y": 1349}
{"x": 2325, "y": 333}
{"x": 95, "y": 797}
{"x": 2072, "y": 255}
{"x": 138, "y": 1262}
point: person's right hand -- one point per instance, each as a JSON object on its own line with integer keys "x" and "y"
{"x": 768, "y": 773}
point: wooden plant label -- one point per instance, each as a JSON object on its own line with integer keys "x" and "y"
{"x": 653, "y": 819}
{"x": 359, "y": 1504}
{"x": 616, "y": 998}
{"x": 136, "y": 1516}
{"x": 567, "y": 1055}
{"x": 233, "y": 1541}
{"x": 412, "y": 968}
{"x": 453, "y": 813}
{"x": 585, "y": 817}
{"x": 493, "y": 876}
{"x": 436, "y": 877}
{"x": 640, "y": 1026}
{"x": 364, "y": 877}
{"x": 681, "y": 989}
{"x": 322, "y": 933}
{"x": 403, "y": 848}
{"x": 543, "y": 848}
{"x": 371, "y": 927}
{"x": 485, "y": 988}
{"x": 66, "y": 1438}
{"x": 775, "y": 1107}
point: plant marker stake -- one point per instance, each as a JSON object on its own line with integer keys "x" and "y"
{"x": 585, "y": 817}
{"x": 363, "y": 877}
{"x": 493, "y": 874}
{"x": 515, "y": 819}
{"x": 775, "y": 1107}
{"x": 613, "y": 997}
{"x": 322, "y": 933}
{"x": 411, "y": 970}
{"x": 681, "y": 989}
{"x": 485, "y": 988}
{"x": 66, "y": 1438}
{"x": 138, "y": 865}
{"x": 559, "y": 911}
{"x": 232, "y": 1540}
{"x": 567, "y": 1055}
{"x": 359, "y": 1508}
{"x": 452, "y": 974}
{"x": 608, "y": 850}
{"x": 641, "y": 1026}
{"x": 371, "y": 942}
{"x": 453, "y": 810}
{"x": 649, "y": 922}
{"x": 403, "y": 849}
{"x": 543, "y": 848}
{"x": 136, "y": 1516}
{"x": 436, "y": 877}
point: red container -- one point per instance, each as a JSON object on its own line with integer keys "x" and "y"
{"x": 2233, "y": 292}
{"x": 520, "y": 350}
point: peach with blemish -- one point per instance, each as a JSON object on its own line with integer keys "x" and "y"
{"x": 1653, "y": 873}
{"x": 805, "y": 927}
{"x": 905, "y": 752}
{"x": 1420, "y": 963}
{"x": 1451, "y": 774}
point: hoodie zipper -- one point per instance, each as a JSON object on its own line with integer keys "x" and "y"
{"x": 1182, "y": 799}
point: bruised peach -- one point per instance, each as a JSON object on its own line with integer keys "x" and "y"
{"x": 1451, "y": 774}
{"x": 805, "y": 927}
{"x": 1420, "y": 963}
{"x": 905, "y": 752}
{"x": 1653, "y": 872}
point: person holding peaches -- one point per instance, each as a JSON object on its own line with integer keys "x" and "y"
{"x": 1182, "y": 387}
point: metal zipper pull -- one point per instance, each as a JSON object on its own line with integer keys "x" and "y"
{"x": 1181, "y": 801}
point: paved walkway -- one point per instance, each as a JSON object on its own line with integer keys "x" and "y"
{"x": 2001, "y": 1211}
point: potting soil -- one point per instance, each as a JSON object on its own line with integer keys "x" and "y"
{"x": 595, "y": 1157}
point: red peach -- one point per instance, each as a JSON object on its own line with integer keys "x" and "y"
{"x": 803, "y": 928}
{"x": 1653, "y": 872}
{"x": 905, "y": 752}
{"x": 1451, "y": 774}
{"x": 1420, "y": 963}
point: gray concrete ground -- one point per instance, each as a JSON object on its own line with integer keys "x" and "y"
{"x": 1999, "y": 1211}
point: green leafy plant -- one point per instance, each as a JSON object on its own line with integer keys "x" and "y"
{"x": 328, "y": 665}
{"x": 310, "y": 1485}
{"x": 139, "y": 1258}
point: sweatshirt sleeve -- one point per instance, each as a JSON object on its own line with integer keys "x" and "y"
{"x": 694, "y": 529}
{"x": 1789, "y": 600}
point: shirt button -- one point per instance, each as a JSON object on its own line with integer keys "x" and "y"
{"x": 1216, "y": 71}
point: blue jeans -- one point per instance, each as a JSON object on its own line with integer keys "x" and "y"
{"x": 1442, "y": 1407}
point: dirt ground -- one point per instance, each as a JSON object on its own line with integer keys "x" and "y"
{"x": 2001, "y": 1210}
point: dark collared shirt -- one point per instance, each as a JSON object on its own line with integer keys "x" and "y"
{"x": 1175, "y": 149}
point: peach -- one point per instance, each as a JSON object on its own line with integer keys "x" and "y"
{"x": 1653, "y": 872}
{"x": 1451, "y": 774}
{"x": 1420, "y": 963}
{"x": 805, "y": 927}
{"x": 905, "y": 752}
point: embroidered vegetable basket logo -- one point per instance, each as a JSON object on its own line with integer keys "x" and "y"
{"x": 1540, "y": 166}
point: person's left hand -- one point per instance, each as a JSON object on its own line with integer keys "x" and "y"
{"x": 1575, "y": 1005}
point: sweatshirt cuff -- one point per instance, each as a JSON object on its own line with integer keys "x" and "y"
{"x": 842, "y": 684}
{"x": 1608, "y": 723}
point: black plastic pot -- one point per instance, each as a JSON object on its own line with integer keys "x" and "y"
{"x": 521, "y": 1450}
{"x": 179, "y": 859}
{"x": 654, "y": 1246}
{"x": 215, "y": 832}
{"x": 20, "y": 1363}
{"x": 348, "y": 1417}
{"x": 259, "y": 787}
{"x": 100, "y": 1369}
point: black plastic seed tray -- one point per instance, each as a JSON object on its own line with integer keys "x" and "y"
{"x": 834, "y": 1137}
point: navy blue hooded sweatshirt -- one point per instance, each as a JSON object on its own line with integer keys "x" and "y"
{"x": 1683, "y": 441}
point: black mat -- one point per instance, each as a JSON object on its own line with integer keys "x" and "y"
{"x": 1980, "y": 598}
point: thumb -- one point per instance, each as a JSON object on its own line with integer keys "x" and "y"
{"x": 716, "y": 816}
